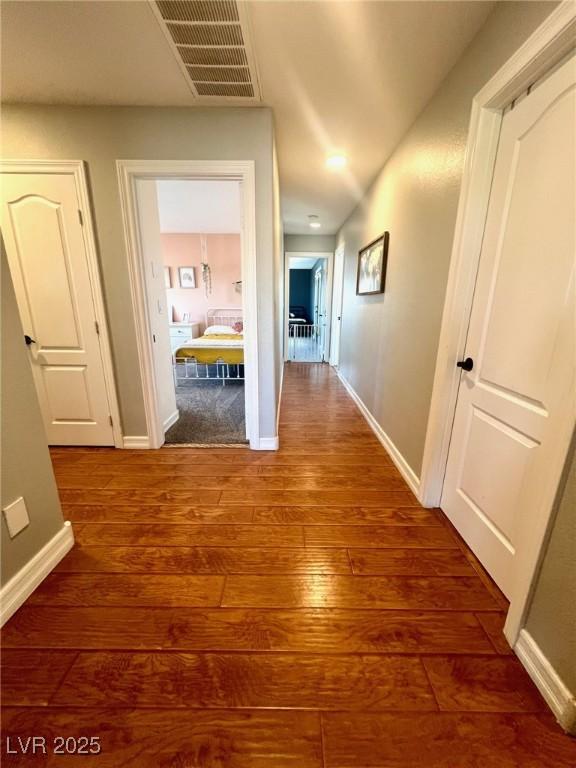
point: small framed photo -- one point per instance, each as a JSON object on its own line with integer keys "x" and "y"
{"x": 187, "y": 277}
{"x": 167, "y": 278}
{"x": 372, "y": 266}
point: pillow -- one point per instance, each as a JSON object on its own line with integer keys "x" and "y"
{"x": 238, "y": 326}
{"x": 219, "y": 330}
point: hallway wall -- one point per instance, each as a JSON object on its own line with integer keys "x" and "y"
{"x": 26, "y": 466}
{"x": 389, "y": 342}
{"x": 551, "y": 617}
{"x": 102, "y": 135}
{"x": 309, "y": 243}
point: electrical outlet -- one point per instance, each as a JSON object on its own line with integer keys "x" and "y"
{"x": 16, "y": 516}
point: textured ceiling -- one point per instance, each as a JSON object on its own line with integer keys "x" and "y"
{"x": 348, "y": 76}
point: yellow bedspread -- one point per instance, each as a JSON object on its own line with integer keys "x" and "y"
{"x": 208, "y": 354}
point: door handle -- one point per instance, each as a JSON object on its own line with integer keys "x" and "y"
{"x": 466, "y": 365}
{"x": 29, "y": 340}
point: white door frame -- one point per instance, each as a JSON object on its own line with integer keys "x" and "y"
{"x": 329, "y": 256}
{"x": 543, "y": 49}
{"x": 77, "y": 169}
{"x": 337, "y": 289}
{"x": 235, "y": 170}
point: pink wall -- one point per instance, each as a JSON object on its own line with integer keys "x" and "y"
{"x": 223, "y": 254}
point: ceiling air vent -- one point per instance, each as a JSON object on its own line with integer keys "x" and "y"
{"x": 211, "y": 41}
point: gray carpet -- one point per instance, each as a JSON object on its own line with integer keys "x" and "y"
{"x": 209, "y": 413}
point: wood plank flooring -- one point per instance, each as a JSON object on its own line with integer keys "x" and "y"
{"x": 224, "y": 608}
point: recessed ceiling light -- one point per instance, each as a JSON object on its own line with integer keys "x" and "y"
{"x": 336, "y": 161}
{"x": 314, "y": 222}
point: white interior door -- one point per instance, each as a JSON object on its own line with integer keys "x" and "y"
{"x": 337, "y": 306}
{"x": 515, "y": 403}
{"x": 156, "y": 300}
{"x": 48, "y": 259}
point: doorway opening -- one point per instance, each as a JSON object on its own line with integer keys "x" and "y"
{"x": 309, "y": 288}
{"x": 194, "y": 292}
{"x": 190, "y": 229}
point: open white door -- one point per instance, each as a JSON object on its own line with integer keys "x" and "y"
{"x": 518, "y": 401}
{"x": 49, "y": 261}
{"x": 156, "y": 301}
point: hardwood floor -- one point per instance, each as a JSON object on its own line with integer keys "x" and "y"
{"x": 234, "y": 609}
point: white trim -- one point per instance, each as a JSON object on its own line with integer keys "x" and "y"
{"x": 16, "y": 591}
{"x": 266, "y": 444}
{"x": 241, "y": 170}
{"x": 77, "y": 168}
{"x": 546, "y": 46}
{"x": 139, "y": 442}
{"x": 401, "y": 464}
{"x": 171, "y": 420}
{"x": 329, "y": 256}
{"x": 558, "y": 697}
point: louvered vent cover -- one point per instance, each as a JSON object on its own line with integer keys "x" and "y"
{"x": 212, "y": 43}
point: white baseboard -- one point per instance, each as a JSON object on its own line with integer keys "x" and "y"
{"x": 401, "y": 464}
{"x": 265, "y": 444}
{"x": 136, "y": 441}
{"x": 172, "y": 419}
{"x": 560, "y": 700}
{"x": 16, "y": 591}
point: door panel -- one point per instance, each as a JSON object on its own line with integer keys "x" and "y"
{"x": 49, "y": 266}
{"x": 522, "y": 334}
{"x": 539, "y": 195}
{"x": 48, "y": 301}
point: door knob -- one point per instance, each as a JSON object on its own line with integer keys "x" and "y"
{"x": 29, "y": 340}
{"x": 466, "y": 365}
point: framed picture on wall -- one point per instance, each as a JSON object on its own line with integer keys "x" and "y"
{"x": 167, "y": 278}
{"x": 372, "y": 261}
{"x": 187, "y": 277}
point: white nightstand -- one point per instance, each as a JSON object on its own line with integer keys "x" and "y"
{"x": 180, "y": 333}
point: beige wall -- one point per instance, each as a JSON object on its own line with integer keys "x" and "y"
{"x": 26, "y": 465}
{"x": 100, "y": 136}
{"x": 552, "y": 616}
{"x": 309, "y": 243}
{"x": 224, "y": 256}
{"x": 389, "y": 342}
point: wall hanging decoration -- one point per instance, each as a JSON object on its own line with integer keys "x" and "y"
{"x": 206, "y": 271}
{"x": 372, "y": 261}
{"x": 187, "y": 277}
{"x": 206, "y": 278}
{"x": 167, "y": 278}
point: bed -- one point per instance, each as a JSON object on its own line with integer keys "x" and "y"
{"x": 217, "y": 355}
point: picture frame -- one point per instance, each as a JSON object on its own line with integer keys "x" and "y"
{"x": 167, "y": 278}
{"x": 187, "y": 277}
{"x": 372, "y": 262}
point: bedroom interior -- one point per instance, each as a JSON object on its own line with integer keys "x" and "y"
{"x": 201, "y": 254}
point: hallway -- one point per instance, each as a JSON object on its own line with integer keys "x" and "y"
{"x": 225, "y": 608}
